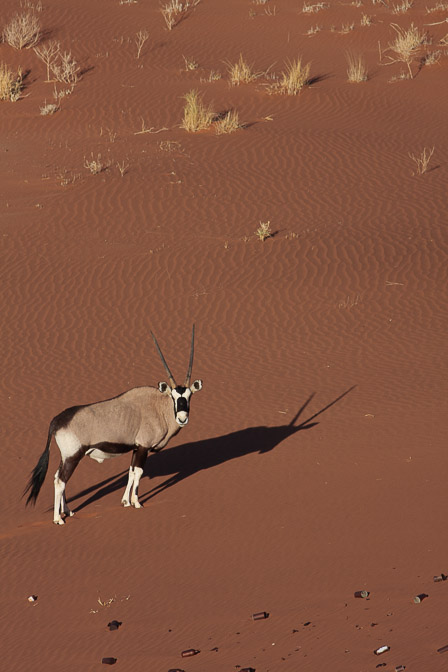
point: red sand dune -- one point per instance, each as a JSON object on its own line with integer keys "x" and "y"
{"x": 242, "y": 513}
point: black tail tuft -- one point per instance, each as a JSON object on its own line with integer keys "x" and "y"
{"x": 39, "y": 472}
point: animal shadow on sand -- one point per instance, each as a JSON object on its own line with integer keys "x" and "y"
{"x": 184, "y": 460}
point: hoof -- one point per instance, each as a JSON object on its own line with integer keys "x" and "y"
{"x": 125, "y": 503}
{"x": 59, "y": 521}
{"x": 137, "y": 505}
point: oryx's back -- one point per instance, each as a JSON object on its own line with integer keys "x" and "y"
{"x": 126, "y": 419}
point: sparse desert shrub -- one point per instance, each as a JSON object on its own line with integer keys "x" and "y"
{"x": 94, "y": 165}
{"x": 264, "y": 231}
{"x": 197, "y": 116}
{"x": 176, "y": 10}
{"x": 140, "y": 40}
{"x": 66, "y": 70}
{"x": 422, "y": 161}
{"x": 240, "y": 72}
{"x": 190, "y": 64}
{"x": 403, "y": 7}
{"x": 356, "y": 71}
{"x": 438, "y": 7}
{"x": 48, "y": 53}
{"x": 366, "y": 20}
{"x": 49, "y": 108}
{"x": 22, "y": 31}
{"x": 228, "y": 123}
{"x": 406, "y": 45}
{"x": 431, "y": 58}
{"x": 313, "y": 30}
{"x": 293, "y": 79}
{"x": 11, "y": 83}
{"x": 312, "y": 9}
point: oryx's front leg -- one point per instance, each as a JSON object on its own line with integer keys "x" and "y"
{"x": 130, "y": 496}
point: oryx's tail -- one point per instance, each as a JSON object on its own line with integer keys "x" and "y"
{"x": 40, "y": 470}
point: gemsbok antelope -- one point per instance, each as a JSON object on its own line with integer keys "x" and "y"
{"x": 141, "y": 420}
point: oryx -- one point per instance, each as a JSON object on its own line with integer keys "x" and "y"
{"x": 141, "y": 420}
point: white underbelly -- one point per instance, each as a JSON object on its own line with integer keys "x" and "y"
{"x": 99, "y": 455}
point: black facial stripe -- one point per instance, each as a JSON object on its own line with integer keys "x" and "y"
{"x": 181, "y": 405}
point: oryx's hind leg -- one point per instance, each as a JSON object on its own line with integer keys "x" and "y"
{"x": 130, "y": 496}
{"x": 71, "y": 453}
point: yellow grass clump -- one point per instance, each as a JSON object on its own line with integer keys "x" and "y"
{"x": 241, "y": 72}
{"x": 10, "y": 84}
{"x": 176, "y": 10}
{"x": 22, "y": 31}
{"x": 293, "y": 79}
{"x": 356, "y": 71}
{"x": 264, "y": 231}
{"x": 197, "y": 117}
{"x": 228, "y": 123}
{"x": 406, "y": 45}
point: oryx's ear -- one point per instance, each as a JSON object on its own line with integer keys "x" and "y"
{"x": 197, "y": 385}
{"x": 164, "y": 388}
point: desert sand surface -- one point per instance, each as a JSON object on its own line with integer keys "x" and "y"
{"x": 314, "y": 464}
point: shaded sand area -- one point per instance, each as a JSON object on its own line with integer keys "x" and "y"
{"x": 115, "y": 221}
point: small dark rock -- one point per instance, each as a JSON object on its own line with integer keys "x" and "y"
{"x": 114, "y": 625}
{"x": 109, "y": 661}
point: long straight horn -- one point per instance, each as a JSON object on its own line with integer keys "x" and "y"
{"x": 190, "y": 365}
{"x": 167, "y": 369}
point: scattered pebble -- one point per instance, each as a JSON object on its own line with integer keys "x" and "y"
{"x": 400, "y": 668}
{"x": 260, "y": 615}
{"x": 114, "y": 625}
{"x": 381, "y": 649}
{"x": 362, "y": 593}
{"x": 420, "y": 598}
{"x": 440, "y": 577}
{"x": 443, "y": 649}
{"x": 32, "y": 598}
{"x": 189, "y": 652}
{"x": 109, "y": 661}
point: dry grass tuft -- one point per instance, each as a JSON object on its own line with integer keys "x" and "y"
{"x": 49, "y": 108}
{"x": 176, "y": 10}
{"x": 406, "y": 45}
{"x": 357, "y": 70}
{"x": 422, "y": 161}
{"x": 312, "y": 9}
{"x": 197, "y": 117}
{"x": 241, "y": 72}
{"x": 432, "y": 58}
{"x": 366, "y": 20}
{"x": 295, "y": 78}
{"x": 22, "y": 31}
{"x": 94, "y": 165}
{"x": 228, "y": 123}
{"x": 263, "y": 231}
{"x": 403, "y": 7}
{"x": 10, "y": 84}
